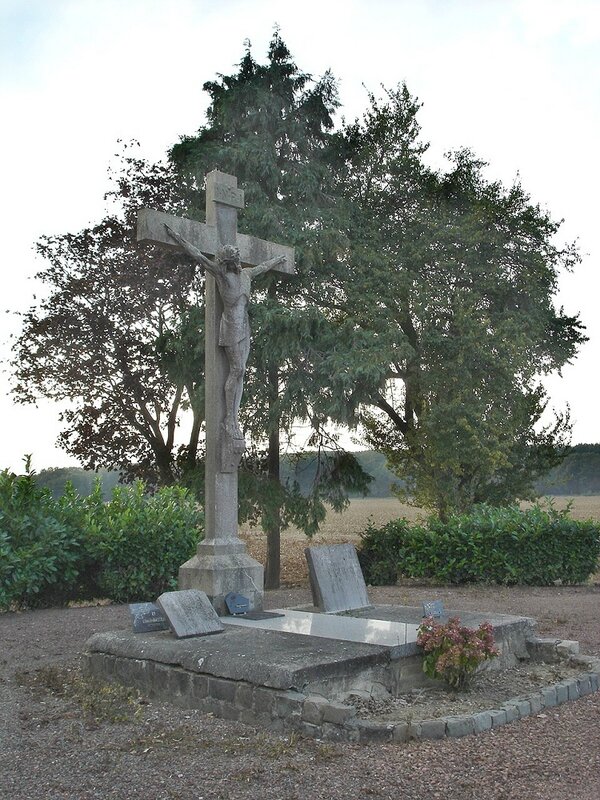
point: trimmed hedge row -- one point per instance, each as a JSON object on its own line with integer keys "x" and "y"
{"x": 539, "y": 546}
{"x": 75, "y": 548}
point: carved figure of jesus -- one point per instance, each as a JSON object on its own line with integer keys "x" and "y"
{"x": 234, "y": 285}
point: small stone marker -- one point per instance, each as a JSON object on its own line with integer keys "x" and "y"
{"x": 189, "y": 613}
{"x": 336, "y": 579}
{"x": 147, "y": 617}
{"x": 434, "y": 608}
{"x": 237, "y": 603}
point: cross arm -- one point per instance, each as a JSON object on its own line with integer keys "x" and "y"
{"x": 253, "y": 251}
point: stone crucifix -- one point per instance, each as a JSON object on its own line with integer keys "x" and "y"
{"x": 221, "y": 564}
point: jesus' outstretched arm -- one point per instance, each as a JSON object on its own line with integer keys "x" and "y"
{"x": 266, "y": 266}
{"x": 194, "y": 253}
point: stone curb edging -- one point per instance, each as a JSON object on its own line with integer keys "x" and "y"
{"x": 364, "y": 730}
{"x": 317, "y": 717}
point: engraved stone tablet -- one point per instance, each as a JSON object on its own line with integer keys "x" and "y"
{"x": 147, "y": 617}
{"x": 336, "y": 579}
{"x": 189, "y": 613}
{"x": 434, "y": 608}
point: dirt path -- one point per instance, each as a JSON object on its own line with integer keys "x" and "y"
{"x": 51, "y": 747}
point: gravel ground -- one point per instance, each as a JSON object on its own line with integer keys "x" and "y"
{"x": 58, "y": 740}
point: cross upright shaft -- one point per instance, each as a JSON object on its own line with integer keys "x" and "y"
{"x": 221, "y": 564}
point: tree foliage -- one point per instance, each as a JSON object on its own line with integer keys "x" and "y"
{"x": 112, "y": 335}
{"x": 452, "y": 277}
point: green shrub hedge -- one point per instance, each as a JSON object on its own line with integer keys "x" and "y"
{"x": 40, "y": 553}
{"x": 489, "y": 545}
{"x": 74, "y": 548}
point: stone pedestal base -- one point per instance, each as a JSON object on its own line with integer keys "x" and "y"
{"x": 222, "y": 566}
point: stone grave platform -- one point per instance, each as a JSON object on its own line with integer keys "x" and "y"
{"x": 290, "y": 672}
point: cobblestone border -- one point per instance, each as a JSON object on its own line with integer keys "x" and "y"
{"x": 317, "y": 717}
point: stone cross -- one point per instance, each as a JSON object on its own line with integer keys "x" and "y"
{"x": 221, "y": 564}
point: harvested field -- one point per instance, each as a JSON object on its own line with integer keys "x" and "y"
{"x": 347, "y": 526}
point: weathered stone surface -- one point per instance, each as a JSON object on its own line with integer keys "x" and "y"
{"x": 523, "y": 706}
{"x": 338, "y": 713}
{"x": 263, "y": 700}
{"x": 549, "y": 697}
{"x": 371, "y": 731}
{"x": 215, "y": 572}
{"x": 189, "y": 613}
{"x": 401, "y": 732}
{"x": 263, "y": 658}
{"x": 222, "y": 689}
{"x": 313, "y": 709}
{"x": 573, "y": 689}
{"x": 459, "y": 726}
{"x": 336, "y": 579}
{"x": 511, "y": 711}
{"x": 499, "y": 717}
{"x": 288, "y": 703}
{"x": 567, "y": 647}
{"x": 562, "y": 693}
{"x": 151, "y": 229}
{"x": 584, "y": 685}
{"x": 243, "y": 695}
{"x": 482, "y": 721}
{"x": 433, "y": 729}
{"x": 334, "y": 733}
{"x": 308, "y": 729}
{"x": 536, "y": 703}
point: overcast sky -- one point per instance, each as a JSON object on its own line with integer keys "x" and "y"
{"x": 517, "y": 81}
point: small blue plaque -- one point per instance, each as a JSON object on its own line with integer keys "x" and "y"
{"x": 147, "y": 617}
{"x": 237, "y": 603}
{"x": 434, "y": 608}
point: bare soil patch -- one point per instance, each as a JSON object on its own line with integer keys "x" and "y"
{"x": 490, "y": 689}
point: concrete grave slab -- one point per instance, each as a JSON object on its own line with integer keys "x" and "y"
{"x": 336, "y": 579}
{"x": 368, "y": 631}
{"x": 189, "y": 613}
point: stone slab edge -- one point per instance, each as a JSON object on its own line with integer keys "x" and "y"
{"x": 314, "y": 715}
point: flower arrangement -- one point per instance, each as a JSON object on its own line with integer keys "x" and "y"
{"x": 453, "y": 652}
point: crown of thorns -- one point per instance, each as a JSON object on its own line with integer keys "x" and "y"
{"x": 229, "y": 253}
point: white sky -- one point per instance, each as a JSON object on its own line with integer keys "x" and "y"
{"x": 518, "y": 81}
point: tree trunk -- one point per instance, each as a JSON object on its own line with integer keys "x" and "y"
{"x": 273, "y": 565}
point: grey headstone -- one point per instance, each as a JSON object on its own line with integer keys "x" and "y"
{"x": 336, "y": 579}
{"x": 433, "y": 608}
{"x": 189, "y": 613}
{"x": 147, "y": 617}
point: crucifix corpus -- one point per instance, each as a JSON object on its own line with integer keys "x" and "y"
{"x": 221, "y": 564}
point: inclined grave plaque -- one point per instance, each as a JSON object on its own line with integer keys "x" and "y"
{"x": 147, "y": 617}
{"x": 237, "y": 603}
{"x": 434, "y": 608}
{"x": 189, "y": 613}
{"x": 336, "y": 579}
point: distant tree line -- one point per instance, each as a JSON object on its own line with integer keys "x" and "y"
{"x": 579, "y": 473}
